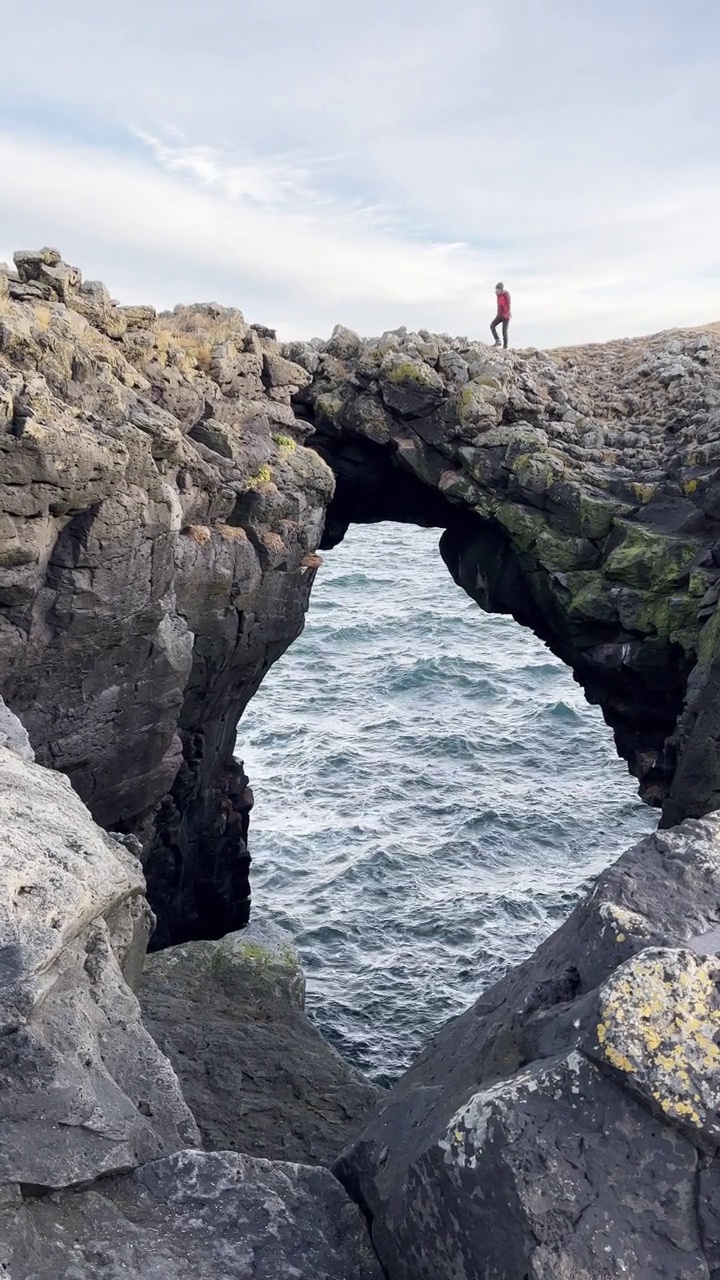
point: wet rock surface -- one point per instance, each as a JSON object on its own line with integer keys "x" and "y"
{"x": 257, "y": 1075}
{"x": 565, "y": 1125}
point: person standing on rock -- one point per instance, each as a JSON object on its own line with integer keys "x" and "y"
{"x": 503, "y": 314}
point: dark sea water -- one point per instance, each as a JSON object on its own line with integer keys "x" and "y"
{"x": 432, "y": 794}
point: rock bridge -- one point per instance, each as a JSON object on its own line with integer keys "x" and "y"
{"x": 578, "y": 491}
{"x": 168, "y": 479}
{"x": 165, "y": 484}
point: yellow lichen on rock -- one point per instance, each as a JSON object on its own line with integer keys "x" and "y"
{"x": 659, "y": 1022}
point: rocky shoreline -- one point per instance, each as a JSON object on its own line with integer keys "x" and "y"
{"x": 166, "y": 485}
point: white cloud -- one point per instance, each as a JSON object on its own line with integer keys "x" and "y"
{"x": 379, "y": 163}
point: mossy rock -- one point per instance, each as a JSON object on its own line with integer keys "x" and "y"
{"x": 258, "y": 963}
{"x": 670, "y": 618}
{"x": 411, "y": 371}
{"x": 285, "y": 442}
{"x": 524, "y": 524}
{"x": 329, "y": 407}
{"x": 700, "y": 581}
{"x": 458, "y": 488}
{"x": 590, "y": 597}
{"x": 476, "y": 401}
{"x": 648, "y": 559}
{"x": 584, "y": 511}
{"x": 478, "y": 463}
{"x": 643, "y": 492}
{"x": 561, "y": 553}
{"x": 535, "y": 473}
{"x": 262, "y": 476}
{"x": 409, "y": 386}
{"x": 708, "y": 647}
{"x": 368, "y": 415}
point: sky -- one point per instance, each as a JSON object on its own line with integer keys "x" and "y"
{"x": 374, "y": 164}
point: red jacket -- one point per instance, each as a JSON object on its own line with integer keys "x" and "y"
{"x": 503, "y": 305}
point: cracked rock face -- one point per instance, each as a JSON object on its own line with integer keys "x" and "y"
{"x": 160, "y": 515}
{"x": 257, "y": 1074}
{"x": 578, "y": 490}
{"x": 193, "y": 1215}
{"x": 159, "y": 518}
{"x": 96, "y": 1178}
{"x": 84, "y": 1090}
{"x": 566, "y": 1125}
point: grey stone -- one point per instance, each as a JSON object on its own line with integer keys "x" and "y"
{"x": 13, "y": 734}
{"x": 135, "y": 620}
{"x": 344, "y": 342}
{"x": 256, "y": 1073}
{"x": 454, "y": 367}
{"x": 157, "y": 545}
{"x": 670, "y": 372}
{"x": 409, "y": 386}
{"x": 590, "y": 404}
{"x": 280, "y": 372}
{"x": 84, "y": 1089}
{"x": 193, "y": 1215}
{"x": 302, "y": 353}
{"x": 29, "y": 262}
{"x": 558, "y": 1128}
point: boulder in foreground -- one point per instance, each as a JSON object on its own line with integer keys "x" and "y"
{"x": 84, "y": 1090}
{"x": 566, "y": 1127}
{"x": 256, "y": 1073}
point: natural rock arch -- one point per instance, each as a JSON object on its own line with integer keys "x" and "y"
{"x": 578, "y": 492}
{"x": 165, "y": 488}
{"x": 160, "y": 514}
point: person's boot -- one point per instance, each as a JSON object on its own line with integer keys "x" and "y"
{"x": 496, "y": 342}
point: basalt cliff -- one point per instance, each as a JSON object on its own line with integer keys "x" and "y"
{"x": 167, "y": 482}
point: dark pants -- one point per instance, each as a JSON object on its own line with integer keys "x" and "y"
{"x": 493, "y": 328}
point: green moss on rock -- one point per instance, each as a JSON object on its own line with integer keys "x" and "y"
{"x": 588, "y": 512}
{"x": 590, "y": 597}
{"x": 648, "y": 559}
{"x": 329, "y": 407}
{"x": 524, "y": 524}
{"x": 534, "y": 473}
{"x": 285, "y": 442}
{"x": 262, "y": 476}
{"x": 560, "y": 553}
{"x": 412, "y": 371}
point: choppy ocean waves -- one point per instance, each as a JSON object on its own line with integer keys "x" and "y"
{"x": 432, "y": 794}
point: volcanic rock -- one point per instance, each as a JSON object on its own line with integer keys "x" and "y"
{"x": 578, "y": 490}
{"x": 192, "y": 1215}
{"x": 160, "y": 515}
{"x": 157, "y": 548}
{"x": 84, "y": 1090}
{"x": 256, "y": 1073}
{"x": 567, "y": 1125}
